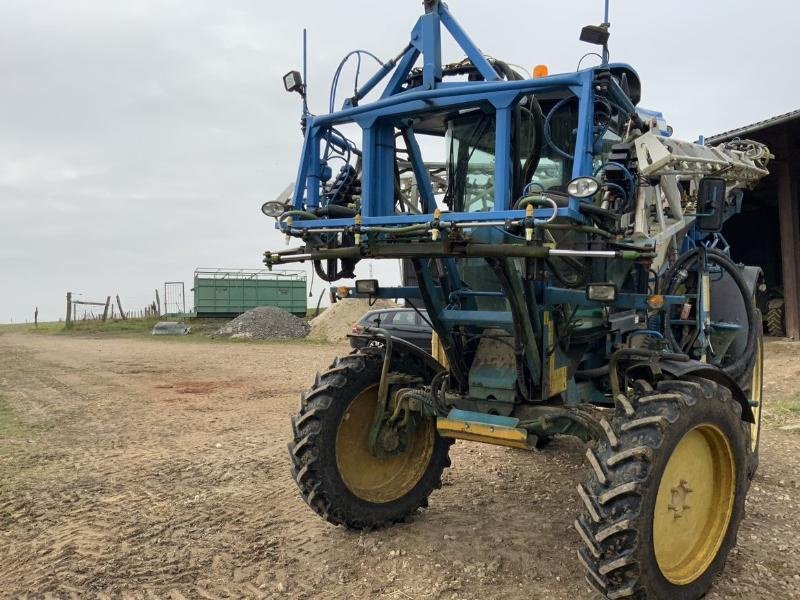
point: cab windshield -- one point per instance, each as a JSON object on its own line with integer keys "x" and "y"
{"x": 471, "y": 160}
{"x": 470, "y": 140}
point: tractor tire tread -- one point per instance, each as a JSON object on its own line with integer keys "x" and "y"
{"x": 317, "y": 478}
{"x": 612, "y": 524}
{"x": 775, "y": 318}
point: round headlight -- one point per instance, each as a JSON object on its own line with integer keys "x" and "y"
{"x": 273, "y": 208}
{"x": 583, "y": 187}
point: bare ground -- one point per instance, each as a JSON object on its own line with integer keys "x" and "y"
{"x": 153, "y": 468}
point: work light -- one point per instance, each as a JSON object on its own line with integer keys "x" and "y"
{"x": 293, "y": 81}
{"x": 601, "y": 292}
{"x": 583, "y": 187}
{"x": 367, "y": 286}
{"x": 273, "y": 208}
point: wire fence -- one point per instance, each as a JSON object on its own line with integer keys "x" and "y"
{"x": 81, "y": 308}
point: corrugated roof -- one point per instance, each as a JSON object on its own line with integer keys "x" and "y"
{"x": 748, "y": 129}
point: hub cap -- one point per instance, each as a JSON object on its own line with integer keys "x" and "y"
{"x": 376, "y": 479}
{"x": 694, "y": 504}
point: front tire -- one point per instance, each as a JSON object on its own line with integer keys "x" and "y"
{"x": 666, "y": 492}
{"x": 338, "y": 476}
{"x": 753, "y": 387}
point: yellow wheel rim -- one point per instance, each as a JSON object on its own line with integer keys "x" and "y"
{"x": 755, "y": 393}
{"x": 376, "y": 479}
{"x": 694, "y": 504}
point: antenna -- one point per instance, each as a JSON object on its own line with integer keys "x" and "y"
{"x": 293, "y": 81}
{"x": 305, "y": 67}
{"x": 606, "y": 24}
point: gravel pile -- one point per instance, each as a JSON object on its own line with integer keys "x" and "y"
{"x": 263, "y": 323}
{"x": 336, "y": 322}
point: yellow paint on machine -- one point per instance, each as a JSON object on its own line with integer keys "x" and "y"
{"x": 483, "y": 432}
{"x": 437, "y": 350}
{"x": 556, "y": 378}
{"x": 379, "y": 480}
{"x": 694, "y": 504}
{"x": 756, "y": 392}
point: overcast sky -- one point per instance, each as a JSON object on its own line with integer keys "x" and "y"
{"x": 139, "y": 138}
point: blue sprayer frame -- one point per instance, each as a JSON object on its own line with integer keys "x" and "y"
{"x": 378, "y": 119}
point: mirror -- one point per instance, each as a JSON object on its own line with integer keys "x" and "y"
{"x": 710, "y": 204}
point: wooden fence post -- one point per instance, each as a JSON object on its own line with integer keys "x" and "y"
{"x": 69, "y": 310}
{"x": 105, "y": 310}
{"x": 36, "y": 317}
{"x": 121, "y": 312}
{"x": 158, "y": 304}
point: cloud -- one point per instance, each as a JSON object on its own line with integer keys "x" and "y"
{"x": 138, "y": 139}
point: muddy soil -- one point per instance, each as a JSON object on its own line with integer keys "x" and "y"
{"x": 158, "y": 469}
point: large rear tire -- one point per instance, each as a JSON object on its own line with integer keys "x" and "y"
{"x": 666, "y": 492}
{"x": 775, "y": 323}
{"x": 338, "y": 476}
{"x": 753, "y": 387}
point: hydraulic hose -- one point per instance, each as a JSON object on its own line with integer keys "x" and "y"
{"x": 589, "y": 374}
{"x": 439, "y": 250}
{"x": 398, "y": 230}
{"x": 297, "y": 213}
{"x": 577, "y": 228}
{"x": 335, "y": 211}
{"x": 535, "y": 156}
{"x": 546, "y": 129}
{"x": 633, "y": 353}
{"x": 596, "y": 211}
{"x": 520, "y": 176}
{"x": 739, "y": 366}
{"x": 437, "y": 392}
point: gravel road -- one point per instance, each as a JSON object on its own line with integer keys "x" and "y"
{"x": 157, "y": 468}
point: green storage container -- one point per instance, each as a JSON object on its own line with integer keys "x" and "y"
{"x": 230, "y": 292}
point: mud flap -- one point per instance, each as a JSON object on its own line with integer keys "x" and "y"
{"x": 679, "y": 370}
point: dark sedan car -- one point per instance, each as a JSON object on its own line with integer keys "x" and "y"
{"x": 403, "y": 323}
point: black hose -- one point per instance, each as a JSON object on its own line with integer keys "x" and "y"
{"x": 739, "y": 366}
{"x": 633, "y": 353}
{"x": 437, "y": 392}
{"x": 589, "y": 374}
{"x": 383, "y": 386}
{"x": 535, "y": 156}
{"x": 596, "y": 211}
{"x": 522, "y": 383}
{"x": 334, "y": 273}
{"x": 516, "y": 141}
{"x": 579, "y": 281}
{"x": 335, "y": 211}
{"x": 516, "y": 131}
{"x": 421, "y": 316}
{"x": 523, "y": 176}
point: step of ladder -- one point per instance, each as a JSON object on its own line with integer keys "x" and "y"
{"x": 481, "y": 427}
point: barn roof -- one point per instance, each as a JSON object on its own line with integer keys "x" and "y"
{"x": 749, "y": 129}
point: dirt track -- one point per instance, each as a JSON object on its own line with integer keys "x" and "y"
{"x": 153, "y": 468}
